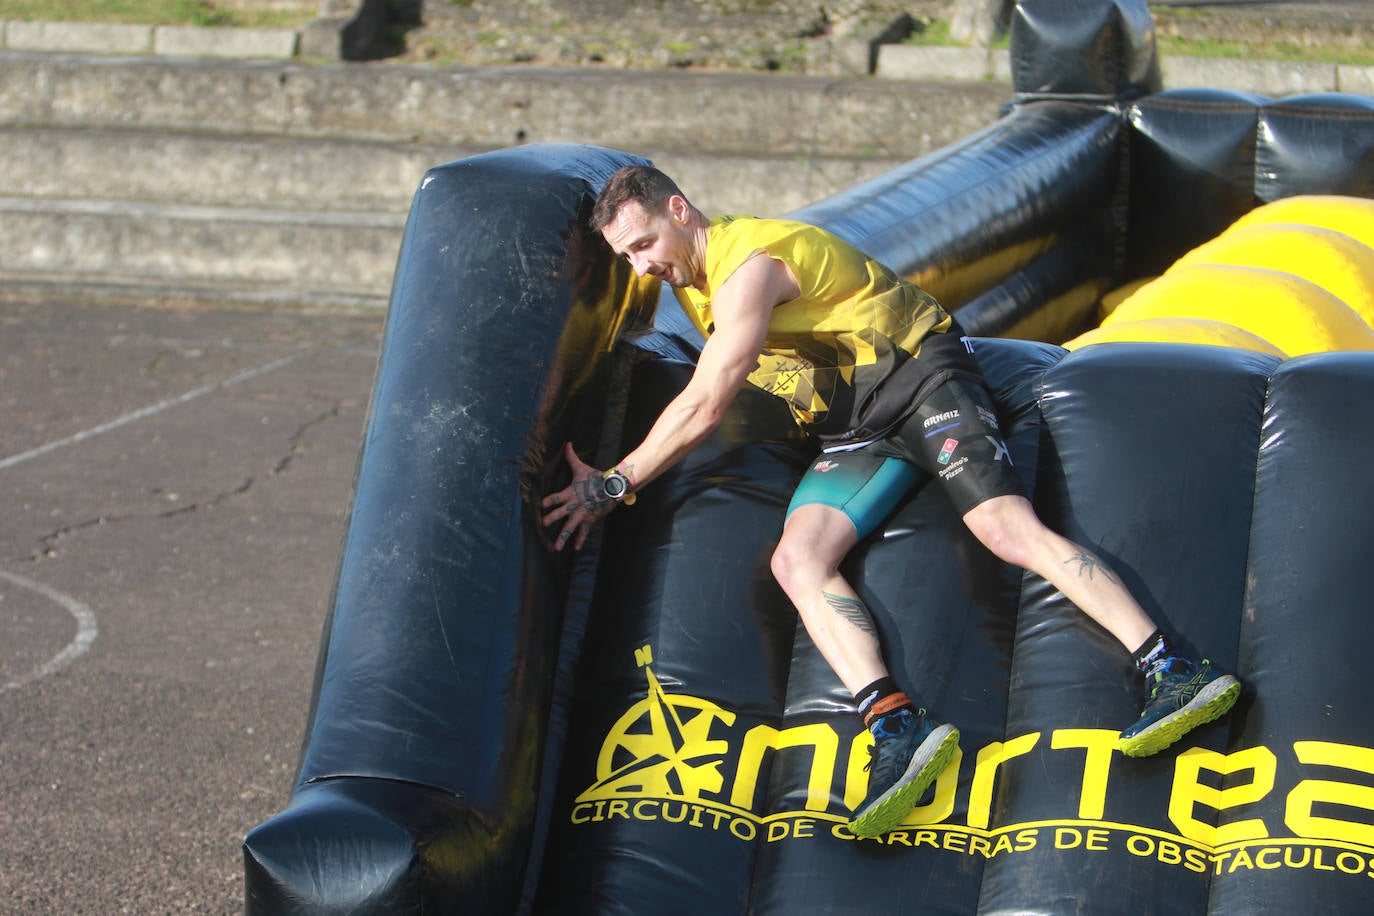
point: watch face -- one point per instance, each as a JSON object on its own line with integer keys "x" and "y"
{"x": 615, "y": 486}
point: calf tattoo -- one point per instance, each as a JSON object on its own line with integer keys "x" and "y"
{"x": 851, "y": 609}
{"x": 1089, "y": 565}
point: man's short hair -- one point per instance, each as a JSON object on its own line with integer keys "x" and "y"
{"x": 643, "y": 184}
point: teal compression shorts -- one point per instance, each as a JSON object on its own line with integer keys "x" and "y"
{"x": 952, "y": 437}
{"x": 863, "y": 486}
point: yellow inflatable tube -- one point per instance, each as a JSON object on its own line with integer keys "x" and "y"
{"x": 1332, "y": 260}
{"x": 1291, "y": 313}
{"x": 1352, "y": 216}
{"x": 1112, "y": 298}
{"x": 1177, "y": 330}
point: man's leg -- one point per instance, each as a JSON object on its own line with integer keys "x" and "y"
{"x": 806, "y": 564}
{"x": 1183, "y": 694}
{"x": 909, "y": 751}
{"x": 1009, "y": 527}
{"x": 954, "y": 435}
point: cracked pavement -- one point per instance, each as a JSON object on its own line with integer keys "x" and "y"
{"x": 174, "y": 485}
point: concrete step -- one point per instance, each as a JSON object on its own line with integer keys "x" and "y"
{"x": 169, "y": 40}
{"x": 716, "y": 112}
{"x": 216, "y": 170}
{"x": 287, "y": 173}
{"x": 1273, "y": 78}
{"x": 291, "y": 256}
{"x": 277, "y": 182}
{"x": 299, "y": 255}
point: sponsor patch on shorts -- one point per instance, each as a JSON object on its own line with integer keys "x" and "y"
{"x": 947, "y": 450}
{"x": 954, "y": 470}
{"x": 940, "y": 418}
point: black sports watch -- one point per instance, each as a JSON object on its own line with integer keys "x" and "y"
{"x": 616, "y": 486}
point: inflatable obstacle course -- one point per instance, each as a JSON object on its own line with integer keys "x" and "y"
{"x": 644, "y": 727}
{"x": 1292, "y": 313}
{"x": 1350, "y": 216}
{"x": 1282, "y": 288}
{"x": 1177, "y": 330}
{"x": 1332, "y": 260}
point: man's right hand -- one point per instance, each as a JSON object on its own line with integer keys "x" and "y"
{"x": 579, "y": 506}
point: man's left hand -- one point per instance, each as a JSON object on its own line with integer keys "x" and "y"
{"x": 580, "y": 505}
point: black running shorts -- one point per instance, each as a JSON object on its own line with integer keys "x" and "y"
{"x": 953, "y": 436}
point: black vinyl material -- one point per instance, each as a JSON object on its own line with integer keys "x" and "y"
{"x": 1306, "y": 731}
{"x": 1221, "y": 153}
{"x": 1102, "y": 49}
{"x": 436, "y": 671}
{"x": 998, "y": 216}
{"x": 1174, "y": 523}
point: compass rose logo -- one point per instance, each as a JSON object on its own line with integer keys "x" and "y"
{"x": 661, "y": 747}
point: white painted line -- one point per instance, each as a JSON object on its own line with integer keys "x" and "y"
{"x": 128, "y": 418}
{"x": 86, "y": 630}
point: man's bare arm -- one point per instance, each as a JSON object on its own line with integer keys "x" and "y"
{"x": 742, "y": 308}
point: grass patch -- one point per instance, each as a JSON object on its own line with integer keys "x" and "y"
{"x": 930, "y": 33}
{"x": 935, "y": 33}
{"x": 1275, "y": 50}
{"x": 155, "y": 12}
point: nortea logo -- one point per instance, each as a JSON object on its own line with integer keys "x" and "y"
{"x": 681, "y": 762}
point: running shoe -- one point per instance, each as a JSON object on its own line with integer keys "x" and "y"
{"x": 1182, "y": 697}
{"x": 902, "y": 767}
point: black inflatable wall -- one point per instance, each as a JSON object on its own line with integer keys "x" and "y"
{"x": 1006, "y": 225}
{"x": 645, "y": 728}
{"x": 711, "y": 759}
{"x": 1200, "y": 158}
{"x": 420, "y": 770}
{"x": 1102, "y": 49}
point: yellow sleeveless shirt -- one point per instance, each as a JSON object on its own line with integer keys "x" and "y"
{"x": 844, "y": 353}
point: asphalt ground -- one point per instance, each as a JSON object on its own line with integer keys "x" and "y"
{"x": 174, "y": 486}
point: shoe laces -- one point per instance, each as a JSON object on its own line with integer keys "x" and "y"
{"x": 1182, "y": 679}
{"x": 891, "y": 750}
{"x": 894, "y": 723}
{"x": 1168, "y": 671}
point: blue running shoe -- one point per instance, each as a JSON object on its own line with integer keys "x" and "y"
{"x": 903, "y": 766}
{"x": 1182, "y": 697}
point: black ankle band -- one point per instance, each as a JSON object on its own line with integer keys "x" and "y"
{"x": 883, "y": 686}
{"x": 1156, "y": 645}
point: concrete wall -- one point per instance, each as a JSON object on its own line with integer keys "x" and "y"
{"x": 210, "y": 163}
{"x": 277, "y": 181}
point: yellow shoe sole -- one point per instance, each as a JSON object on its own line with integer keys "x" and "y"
{"x": 892, "y": 807}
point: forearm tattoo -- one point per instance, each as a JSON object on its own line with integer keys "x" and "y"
{"x": 1089, "y": 565}
{"x": 851, "y": 609}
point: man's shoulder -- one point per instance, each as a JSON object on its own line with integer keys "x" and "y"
{"x": 761, "y": 231}
{"x": 739, "y": 221}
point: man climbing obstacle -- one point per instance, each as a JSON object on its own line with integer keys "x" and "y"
{"x": 884, "y": 382}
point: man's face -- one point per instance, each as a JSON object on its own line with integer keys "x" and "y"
{"x": 658, "y": 244}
